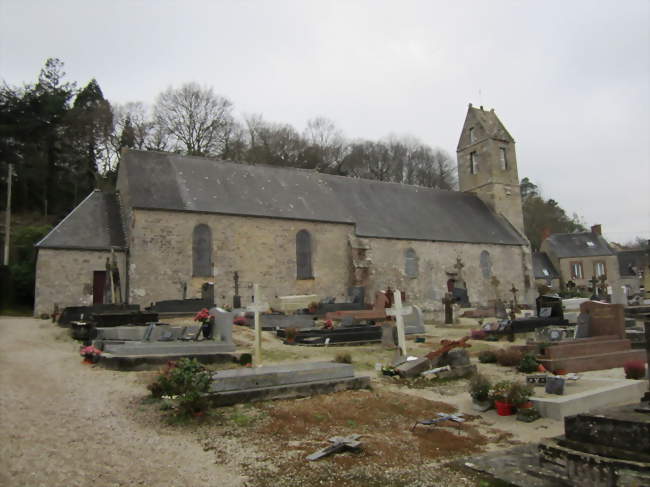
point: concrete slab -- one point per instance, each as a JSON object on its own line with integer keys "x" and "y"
{"x": 586, "y": 395}
{"x": 289, "y": 391}
{"x": 277, "y": 375}
{"x": 168, "y": 348}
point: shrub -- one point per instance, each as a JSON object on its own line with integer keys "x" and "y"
{"x": 478, "y": 334}
{"x": 343, "y": 358}
{"x": 501, "y": 391}
{"x": 634, "y": 369}
{"x": 245, "y": 359}
{"x": 509, "y": 357}
{"x": 520, "y": 393}
{"x": 528, "y": 364}
{"x": 186, "y": 380}
{"x": 487, "y": 357}
{"x": 479, "y": 387}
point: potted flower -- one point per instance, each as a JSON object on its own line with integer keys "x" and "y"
{"x": 90, "y": 354}
{"x": 500, "y": 394}
{"x": 520, "y": 395}
{"x": 479, "y": 389}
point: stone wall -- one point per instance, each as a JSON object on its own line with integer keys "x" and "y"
{"x": 262, "y": 250}
{"x": 65, "y": 277}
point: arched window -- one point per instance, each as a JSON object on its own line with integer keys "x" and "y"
{"x": 486, "y": 264}
{"x": 303, "y": 255}
{"x": 202, "y": 251}
{"x": 410, "y": 263}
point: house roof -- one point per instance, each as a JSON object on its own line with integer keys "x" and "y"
{"x": 542, "y": 263}
{"x": 584, "y": 244}
{"x": 95, "y": 224}
{"x": 164, "y": 181}
{"x": 631, "y": 258}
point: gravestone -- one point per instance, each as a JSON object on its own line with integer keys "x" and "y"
{"x": 604, "y": 319}
{"x": 500, "y": 310}
{"x": 222, "y": 324}
{"x": 414, "y": 323}
{"x": 582, "y": 326}
{"x": 388, "y": 335}
{"x": 555, "y": 385}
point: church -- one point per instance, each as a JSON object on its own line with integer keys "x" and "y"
{"x": 178, "y": 225}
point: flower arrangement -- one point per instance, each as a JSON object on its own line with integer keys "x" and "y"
{"x": 478, "y": 334}
{"x": 240, "y": 320}
{"x": 501, "y": 391}
{"x": 90, "y": 354}
{"x": 634, "y": 369}
{"x": 479, "y": 387}
{"x": 202, "y": 316}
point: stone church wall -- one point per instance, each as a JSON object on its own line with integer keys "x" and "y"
{"x": 435, "y": 259}
{"x": 261, "y": 250}
{"x": 65, "y": 277}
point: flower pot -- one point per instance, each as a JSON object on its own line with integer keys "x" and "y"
{"x": 559, "y": 372}
{"x": 525, "y": 405}
{"x": 503, "y": 408}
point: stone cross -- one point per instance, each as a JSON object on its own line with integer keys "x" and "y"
{"x": 257, "y": 307}
{"x": 448, "y": 301}
{"x": 399, "y": 311}
{"x": 459, "y": 265}
{"x": 594, "y": 285}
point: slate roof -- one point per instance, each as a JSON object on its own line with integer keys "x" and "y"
{"x": 635, "y": 258}
{"x": 165, "y": 181}
{"x": 584, "y": 244}
{"x": 541, "y": 262}
{"x": 95, "y": 224}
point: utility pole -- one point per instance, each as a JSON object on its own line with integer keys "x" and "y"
{"x": 10, "y": 172}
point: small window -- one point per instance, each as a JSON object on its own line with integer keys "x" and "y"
{"x": 503, "y": 158}
{"x": 202, "y": 251}
{"x": 303, "y": 255}
{"x": 473, "y": 163}
{"x": 410, "y": 263}
{"x": 486, "y": 264}
{"x": 472, "y": 135}
{"x": 599, "y": 269}
{"x": 576, "y": 270}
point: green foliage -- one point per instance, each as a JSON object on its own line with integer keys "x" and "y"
{"x": 487, "y": 357}
{"x": 543, "y": 216}
{"x": 187, "y": 381}
{"x": 479, "y": 387}
{"x": 343, "y": 358}
{"x": 501, "y": 391}
{"x": 520, "y": 393}
{"x": 528, "y": 364}
{"x": 23, "y": 261}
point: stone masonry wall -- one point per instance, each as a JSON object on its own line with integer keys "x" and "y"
{"x": 65, "y": 277}
{"x": 261, "y": 250}
{"x": 438, "y": 258}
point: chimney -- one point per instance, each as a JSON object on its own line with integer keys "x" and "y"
{"x": 596, "y": 229}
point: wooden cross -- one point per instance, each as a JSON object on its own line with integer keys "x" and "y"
{"x": 257, "y": 307}
{"x": 398, "y": 311}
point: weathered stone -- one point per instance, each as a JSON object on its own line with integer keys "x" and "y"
{"x": 455, "y": 358}
{"x": 168, "y": 348}
{"x": 555, "y": 385}
{"x": 413, "y": 368}
{"x": 604, "y": 319}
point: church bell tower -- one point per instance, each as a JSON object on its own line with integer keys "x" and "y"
{"x": 487, "y": 164}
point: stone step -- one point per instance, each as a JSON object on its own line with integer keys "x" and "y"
{"x": 588, "y": 348}
{"x": 594, "y": 362}
{"x": 277, "y": 375}
{"x": 621, "y": 428}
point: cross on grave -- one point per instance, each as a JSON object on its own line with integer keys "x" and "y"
{"x": 236, "y": 299}
{"x": 257, "y": 307}
{"x": 339, "y": 443}
{"x": 398, "y": 311}
{"x": 602, "y": 285}
{"x": 514, "y": 292}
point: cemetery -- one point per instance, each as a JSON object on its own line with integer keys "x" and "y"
{"x": 557, "y": 385}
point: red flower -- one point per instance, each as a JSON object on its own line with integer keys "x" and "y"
{"x": 202, "y": 315}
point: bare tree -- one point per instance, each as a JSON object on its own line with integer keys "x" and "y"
{"x": 195, "y": 117}
{"x": 326, "y": 146}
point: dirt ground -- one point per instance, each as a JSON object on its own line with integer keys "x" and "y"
{"x": 66, "y": 423}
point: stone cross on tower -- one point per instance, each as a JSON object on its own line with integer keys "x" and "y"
{"x": 257, "y": 307}
{"x": 399, "y": 311}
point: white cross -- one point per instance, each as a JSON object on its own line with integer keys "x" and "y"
{"x": 257, "y": 307}
{"x": 399, "y": 312}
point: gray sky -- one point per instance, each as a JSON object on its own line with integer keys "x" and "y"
{"x": 569, "y": 79}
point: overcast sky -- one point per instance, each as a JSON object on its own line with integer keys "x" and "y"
{"x": 569, "y": 79}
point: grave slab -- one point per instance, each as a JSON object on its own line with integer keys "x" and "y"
{"x": 177, "y": 348}
{"x": 586, "y": 395}
{"x": 276, "y": 375}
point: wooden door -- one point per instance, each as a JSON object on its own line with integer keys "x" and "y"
{"x": 99, "y": 286}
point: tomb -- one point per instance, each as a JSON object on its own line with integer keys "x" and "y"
{"x": 285, "y": 381}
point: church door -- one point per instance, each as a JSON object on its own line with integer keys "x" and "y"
{"x": 99, "y": 286}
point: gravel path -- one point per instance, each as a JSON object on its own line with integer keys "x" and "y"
{"x": 63, "y": 423}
